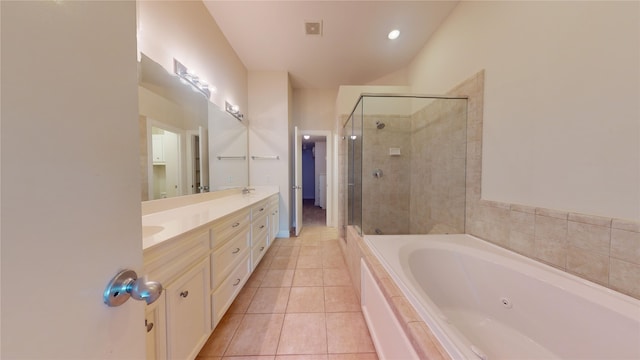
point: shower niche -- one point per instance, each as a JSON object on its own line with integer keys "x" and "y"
{"x": 406, "y": 164}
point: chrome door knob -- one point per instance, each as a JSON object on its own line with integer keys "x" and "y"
{"x": 126, "y": 284}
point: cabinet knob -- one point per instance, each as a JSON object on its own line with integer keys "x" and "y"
{"x": 149, "y": 325}
{"x": 261, "y": 248}
{"x": 236, "y": 224}
{"x": 261, "y": 226}
{"x": 237, "y": 282}
{"x": 184, "y": 294}
{"x": 237, "y": 250}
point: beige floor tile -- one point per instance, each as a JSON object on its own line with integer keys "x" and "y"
{"x": 341, "y": 299}
{"x": 306, "y": 300}
{"x": 361, "y": 356}
{"x": 277, "y": 278}
{"x": 258, "y": 275}
{"x": 204, "y": 357}
{"x": 309, "y": 262}
{"x": 303, "y": 334}
{"x": 260, "y": 357}
{"x": 310, "y": 251}
{"x": 310, "y": 242}
{"x": 307, "y": 277}
{"x": 302, "y": 357}
{"x": 242, "y": 301}
{"x": 336, "y": 277}
{"x": 282, "y": 242}
{"x": 333, "y": 261}
{"x": 348, "y": 333}
{"x": 283, "y": 262}
{"x": 257, "y": 335}
{"x": 288, "y": 251}
{"x": 222, "y": 335}
{"x": 269, "y": 300}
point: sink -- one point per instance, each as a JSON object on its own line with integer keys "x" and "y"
{"x": 151, "y": 230}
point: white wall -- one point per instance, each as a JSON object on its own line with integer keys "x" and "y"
{"x": 185, "y": 30}
{"x": 269, "y": 114}
{"x": 561, "y": 115}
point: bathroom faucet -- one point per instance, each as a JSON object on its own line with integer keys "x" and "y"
{"x": 246, "y": 190}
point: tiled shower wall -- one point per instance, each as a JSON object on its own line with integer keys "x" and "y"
{"x": 421, "y": 189}
{"x": 385, "y": 199}
{"x": 437, "y": 172}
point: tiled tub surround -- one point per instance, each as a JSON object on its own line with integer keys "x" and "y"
{"x": 424, "y": 342}
{"x": 599, "y": 249}
{"x": 549, "y": 313}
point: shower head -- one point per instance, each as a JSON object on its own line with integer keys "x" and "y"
{"x": 380, "y": 125}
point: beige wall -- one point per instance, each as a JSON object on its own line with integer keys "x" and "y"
{"x": 268, "y": 135}
{"x": 561, "y": 112}
{"x": 185, "y": 30}
{"x": 314, "y": 109}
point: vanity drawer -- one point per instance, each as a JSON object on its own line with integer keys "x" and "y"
{"x": 166, "y": 261}
{"x": 228, "y": 256}
{"x": 227, "y": 291}
{"x": 258, "y": 250}
{"x": 224, "y": 229}
{"x": 259, "y": 225}
{"x": 259, "y": 209}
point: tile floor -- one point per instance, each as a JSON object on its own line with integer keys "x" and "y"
{"x": 298, "y": 304}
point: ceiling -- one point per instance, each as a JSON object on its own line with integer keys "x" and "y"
{"x": 353, "y": 48}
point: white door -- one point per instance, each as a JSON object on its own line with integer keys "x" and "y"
{"x": 70, "y": 179}
{"x": 297, "y": 182}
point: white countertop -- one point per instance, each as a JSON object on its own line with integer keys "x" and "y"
{"x": 165, "y": 225}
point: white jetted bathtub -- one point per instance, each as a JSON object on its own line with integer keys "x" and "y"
{"x": 485, "y": 302}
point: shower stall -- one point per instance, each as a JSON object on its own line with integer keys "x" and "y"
{"x": 406, "y": 164}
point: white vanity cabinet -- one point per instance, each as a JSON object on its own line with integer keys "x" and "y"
{"x": 230, "y": 264}
{"x": 260, "y": 239}
{"x": 188, "y": 312}
{"x": 274, "y": 216}
{"x": 155, "y": 322}
{"x": 180, "y": 318}
{"x": 202, "y": 267}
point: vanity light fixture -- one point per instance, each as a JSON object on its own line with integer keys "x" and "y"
{"x": 306, "y": 137}
{"x": 192, "y": 79}
{"x": 393, "y": 34}
{"x": 233, "y": 110}
{"x": 353, "y": 137}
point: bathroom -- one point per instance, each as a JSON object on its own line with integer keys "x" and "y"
{"x": 560, "y": 131}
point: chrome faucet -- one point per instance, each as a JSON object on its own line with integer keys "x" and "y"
{"x": 246, "y": 190}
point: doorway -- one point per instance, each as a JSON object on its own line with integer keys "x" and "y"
{"x": 314, "y": 180}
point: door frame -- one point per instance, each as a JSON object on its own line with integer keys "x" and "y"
{"x": 330, "y": 158}
{"x": 151, "y": 123}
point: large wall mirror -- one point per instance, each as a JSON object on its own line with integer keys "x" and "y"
{"x": 187, "y": 144}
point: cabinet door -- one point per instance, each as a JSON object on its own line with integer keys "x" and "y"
{"x": 155, "y": 322}
{"x": 157, "y": 148}
{"x": 188, "y": 312}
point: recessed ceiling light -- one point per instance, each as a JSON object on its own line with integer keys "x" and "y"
{"x": 306, "y": 137}
{"x": 394, "y": 34}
